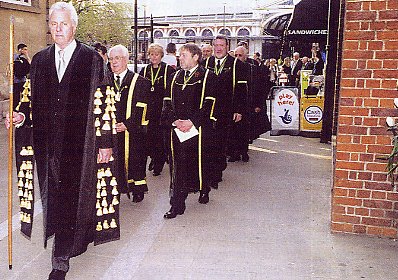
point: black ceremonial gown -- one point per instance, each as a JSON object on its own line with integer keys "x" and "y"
{"x": 155, "y": 145}
{"x": 23, "y": 158}
{"x": 65, "y": 144}
{"x": 130, "y": 151}
{"x": 190, "y": 160}
{"x": 231, "y": 98}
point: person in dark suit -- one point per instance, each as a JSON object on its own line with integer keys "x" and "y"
{"x": 188, "y": 108}
{"x": 21, "y": 71}
{"x": 64, "y": 79}
{"x": 318, "y": 64}
{"x": 158, "y": 73}
{"x": 296, "y": 65}
{"x": 307, "y": 64}
{"x": 256, "y": 121}
{"x": 132, "y": 99}
{"x": 231, "y": 102}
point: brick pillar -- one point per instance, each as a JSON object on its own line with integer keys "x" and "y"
{"x": 363, "y": 199}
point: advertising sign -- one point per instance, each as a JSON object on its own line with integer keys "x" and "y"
{"x": 311, "y": 114}
{"x": 285, "y": 111}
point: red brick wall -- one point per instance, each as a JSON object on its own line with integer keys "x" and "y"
{"x": 363, "y": 200}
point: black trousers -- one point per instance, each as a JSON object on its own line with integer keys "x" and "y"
{"x": 62, "y": 248}
{"x": 177, "y": 200}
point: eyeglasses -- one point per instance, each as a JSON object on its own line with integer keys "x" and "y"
{"x": 116, "y": 58}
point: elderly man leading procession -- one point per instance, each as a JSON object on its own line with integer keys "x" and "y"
{"x": 94, "y": 123}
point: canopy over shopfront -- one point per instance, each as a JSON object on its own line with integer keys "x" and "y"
{"x": 309, "y": 21}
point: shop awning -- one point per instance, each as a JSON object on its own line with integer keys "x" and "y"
{"x": 309, "y": 21}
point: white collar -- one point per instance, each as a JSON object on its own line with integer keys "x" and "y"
{"x": 68, "y": 51}
{"x": 193, "y": 69}
{"x": 221, "y": 59}
{"x": 121, "y": 75}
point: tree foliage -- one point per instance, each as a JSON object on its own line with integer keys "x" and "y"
{"x": 105, "y": 22}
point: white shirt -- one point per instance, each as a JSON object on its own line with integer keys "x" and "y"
{"x": 221, "y": 60}
{"x": 68, "y": 52}
{"x": 121, "y": 75}
{"x": 170, "y": 60}
{"x": 192, "y": 69}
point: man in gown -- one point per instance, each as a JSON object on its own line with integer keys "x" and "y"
{"x": 188, "y": 109}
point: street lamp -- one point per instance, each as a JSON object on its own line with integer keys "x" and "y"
{"x": 144, "y": 44}
{"x": 224, "y": 16}
{"x": 135, "y": 36}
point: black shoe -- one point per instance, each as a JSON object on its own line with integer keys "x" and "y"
{"x": 138, "y": 197}
{"x": 234, "y": 158}
{"x": 214, "y": 185}
{"x": 203, "y": 198}
{"x": 57, "y": 275}
{"x": 151, "y": 165}
{"x": 172, "y": 213}
{"x": 245, "y": 157}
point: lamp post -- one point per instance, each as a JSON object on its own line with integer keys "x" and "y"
{"x": 135, "y": 36}
{"x": 224, "y": 17}
{"x": 144, "y": 44}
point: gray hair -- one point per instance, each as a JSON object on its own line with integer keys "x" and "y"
{"x": 124, "y": 50}
{"x": 63, "y": 6}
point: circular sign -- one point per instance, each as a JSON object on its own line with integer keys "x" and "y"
{"x": 286, "y": 107}
{"x": 313, "y": 114}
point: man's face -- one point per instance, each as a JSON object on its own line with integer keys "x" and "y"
{"x": 220, "y": 48}
{"x": 206, "y": 52}
{"x": 187, "y": 61}
{"x": 62, "y": 28}
{"x": 118, "y": 61}
{"x": 24, "y": 51}
{"x": 296, "y": 56}
{"x": 240, "y": 53}
{"x": 155, "y": 57}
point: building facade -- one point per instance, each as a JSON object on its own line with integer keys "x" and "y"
{"x": 251, "y": 27}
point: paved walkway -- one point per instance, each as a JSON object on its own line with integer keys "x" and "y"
{"x": 268, "y": 220}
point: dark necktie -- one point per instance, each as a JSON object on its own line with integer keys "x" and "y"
{"x": 118, "y": 82}
{"x": 218, "y": 64}
{"x": 187, "y": 74}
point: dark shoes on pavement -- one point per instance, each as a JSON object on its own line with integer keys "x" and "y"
{"x": 57, "y": 275}
{"x": 172, "y": 213}
{"x": 234, "y": 158}
{"x": 203, "y": 198}
{"x": 138, "y": 197}
{"x": 245, "y": 158}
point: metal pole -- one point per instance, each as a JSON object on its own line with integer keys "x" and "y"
{"x": 10, "y": 142}
{"x": 135, "y": 36}
{"x": 331, "y": 67}
{"x": 144, "y": 45}
{"x": 152, "y": 39}
{"x": 224, "y": 18}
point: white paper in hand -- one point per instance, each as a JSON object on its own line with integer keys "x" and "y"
{"x": 184, "y": 136}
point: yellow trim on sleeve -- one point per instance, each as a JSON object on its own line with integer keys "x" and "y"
{"x": 144, "y": 121}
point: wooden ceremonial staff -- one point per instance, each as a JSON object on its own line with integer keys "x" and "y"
{"x": 10, "y": 143}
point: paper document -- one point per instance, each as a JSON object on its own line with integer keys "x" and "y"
{"x": 184, "y": 136}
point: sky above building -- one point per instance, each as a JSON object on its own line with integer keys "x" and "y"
{"x": 180, "y": 7}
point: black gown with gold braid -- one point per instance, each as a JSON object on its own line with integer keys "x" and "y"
{"x": 192, "y": 99}
{"x": 25, "y": 161}
{"x": 132, "y": 109}
{"x": 159, "y": 78}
